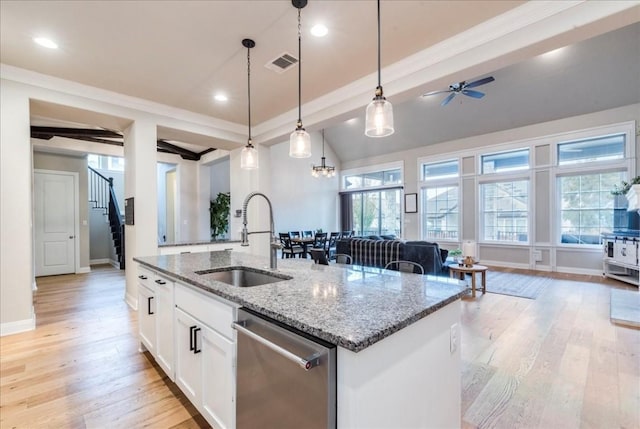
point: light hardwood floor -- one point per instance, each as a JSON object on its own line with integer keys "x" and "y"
{"x": 553, "y": 362}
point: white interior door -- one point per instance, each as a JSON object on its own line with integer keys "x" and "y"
{"x": 54, "y": 197}
{"x": 171, "y": 206}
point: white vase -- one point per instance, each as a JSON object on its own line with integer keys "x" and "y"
{"x": 633, "y": 196}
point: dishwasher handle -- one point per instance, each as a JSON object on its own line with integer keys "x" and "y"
{"x": 305, "y": 364}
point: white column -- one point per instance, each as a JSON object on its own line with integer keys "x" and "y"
{"x": 140, "y": 159}
{"x": 16, "y": 245}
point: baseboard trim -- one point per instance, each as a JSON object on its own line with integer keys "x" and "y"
{"x": 100, "y": 261}
{"x": 18, "y": 326}
{"x": 543, "y": 268}
{"x": 114, "y": 264}
{"x": 83, "y": 270}
{"x": 131, "y": 301}
{"x": 505, "y": 264}
{"x": 583, "y": 271}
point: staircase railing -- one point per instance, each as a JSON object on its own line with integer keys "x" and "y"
{"x": 103, "y": 196}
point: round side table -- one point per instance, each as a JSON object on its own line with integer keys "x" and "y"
{"x": 461, "y": 270}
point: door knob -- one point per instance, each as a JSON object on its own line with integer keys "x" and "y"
{"x": 71, "y": 236}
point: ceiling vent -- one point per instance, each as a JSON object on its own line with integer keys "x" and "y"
{"x": 282, "y": 63}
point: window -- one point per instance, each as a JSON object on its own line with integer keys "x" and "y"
{"x": 587, "y": 206}
{"x": 504, "y": 162}
{"x": 375, "y": 179}
{"x": 103, "y": 162}
{"x": 439, "y": 198}
{"x": 440, "y": 212}
{"x": 376, "y": 212}
{"x": 505, "y": 211}
{"x": 370, "y": 203}
{"x": 606, "y": 148}
{"x": 440, "y": 170}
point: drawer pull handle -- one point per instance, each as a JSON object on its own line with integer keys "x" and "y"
{"x": 161, "y": 282}
{"x": 149, "y": 305}
{"x": 191, "y": 329}
{"x": 142, "y": 277}
{"x": 195, "y": 341}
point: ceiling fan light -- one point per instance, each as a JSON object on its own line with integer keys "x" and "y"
{"x": 379, "y": 118}
{"x": 299, "y": 144}
{"x": 249, "y": 157}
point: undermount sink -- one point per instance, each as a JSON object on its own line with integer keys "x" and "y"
{"x": 242, "y": 277}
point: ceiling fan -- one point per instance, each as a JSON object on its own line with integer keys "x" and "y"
{"x": 462, "y": 87}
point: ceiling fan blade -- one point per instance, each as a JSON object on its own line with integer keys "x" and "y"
{"x": 448, "y": 99}
{"x": 472, "y": 93}
{"x": 436, "y": 92}
{"x": 479, "y": 82}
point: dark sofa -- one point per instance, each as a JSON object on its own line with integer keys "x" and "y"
{"x": 377, "y": 253}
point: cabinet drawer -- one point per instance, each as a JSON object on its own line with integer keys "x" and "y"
{"x": 145, "y": 277}
{"x": 209, "y": 310}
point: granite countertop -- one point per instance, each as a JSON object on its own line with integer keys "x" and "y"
{"x": 195, "y": 243}
{"x": 350, "y": 306}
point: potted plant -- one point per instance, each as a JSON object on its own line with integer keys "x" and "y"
{"x": 455, "y": 254}
{"x": 219, "y": 214}
{"x": 631, "y": 190}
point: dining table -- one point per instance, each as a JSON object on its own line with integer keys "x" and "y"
{"x": 304, "y": 242}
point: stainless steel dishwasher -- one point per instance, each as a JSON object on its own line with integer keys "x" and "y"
{"x": 285, "y": 378}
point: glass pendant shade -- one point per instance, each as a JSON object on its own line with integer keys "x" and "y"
{"x": 379, "y": 118}
{"x": 299, "y": 144}
{"x": 249, "y": 158}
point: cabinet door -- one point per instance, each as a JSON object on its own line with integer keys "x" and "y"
{"x": 187, "y": 361}
{"x": 146, "y": 318}
{"x": 164, "y": 324}
{"x": 218, "y": 377}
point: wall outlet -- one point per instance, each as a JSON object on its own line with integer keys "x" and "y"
{"x": 453, "y": 338}
{"x": 537, "y": 255}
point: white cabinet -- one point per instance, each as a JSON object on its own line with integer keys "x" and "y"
{"x": 205, "y": 354}
{"x": 194, "y": 248}
{"x": 146, "y": 319}
{"x": 218, "y": 379}
{"x": 621, "y": 259}
{"x": 164, "y": 323}
{"x": 155, "y": 317}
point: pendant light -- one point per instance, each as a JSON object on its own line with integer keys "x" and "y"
{"x": 249, "y": 155}
{"x": 323, "y": 169}
{"x": 299, "y": 141}
{"x": 379, "y": 122}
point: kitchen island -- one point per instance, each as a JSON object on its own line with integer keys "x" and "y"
{"x": 397, "y": 334}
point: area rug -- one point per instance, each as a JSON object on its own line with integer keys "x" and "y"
{"x": 625, "y": 307}
{"x": 521, "y": 285}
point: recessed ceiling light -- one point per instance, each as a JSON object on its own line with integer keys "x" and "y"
{"x": 220, "y": 97}
{"x": 319, "y": 30}
{"x": 47, "y": 43}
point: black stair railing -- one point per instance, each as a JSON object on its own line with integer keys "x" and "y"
{"x": 103, "y": 196}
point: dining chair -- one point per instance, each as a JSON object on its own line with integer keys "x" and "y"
{"x": 320, "y": 241}
{"x": 307, "y": 233}
{"x": 319, "y": 256}
{"x": 287, "y": 248}
{"x": 346, "y": 234}
{"x": 342, "y": 258}
{"x": 294, "y": 234}
{"x": 405, "y": 266}
{"x": 331, "y": 243}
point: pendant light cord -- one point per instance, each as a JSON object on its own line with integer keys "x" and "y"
{"x": 249, "y": 88}
{"x": 299, "y": 71}
{"x": 379, "y": 79}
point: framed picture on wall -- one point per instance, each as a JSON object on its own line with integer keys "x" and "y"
{"x": 411, "y": 203}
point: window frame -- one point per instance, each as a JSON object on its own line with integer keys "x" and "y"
{"x": 425, "y": 183}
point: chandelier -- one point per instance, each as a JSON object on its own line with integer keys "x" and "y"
{"x": 323, "y": 169}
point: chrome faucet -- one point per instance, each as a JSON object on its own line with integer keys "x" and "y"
{"x": 273, "y": 244}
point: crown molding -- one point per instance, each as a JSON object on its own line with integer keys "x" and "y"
{"x": 167, "y": 115}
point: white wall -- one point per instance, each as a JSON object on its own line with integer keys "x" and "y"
{"x": 301, "y": 201}
{"x": 16, "y": 211}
